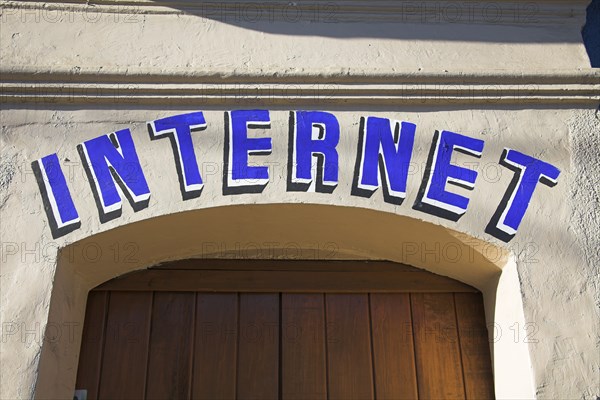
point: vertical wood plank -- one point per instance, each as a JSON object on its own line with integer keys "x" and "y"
{"x": 437, "y": 351}
{"x": 169, "y": 361}
{"x": 393, "y": 350}
{"x": 474, "y": 344}
{"x": 303, "y": 370}
{"x": 92, "y": 343}
{"x": 215, "y": 346}
{"x": 126, "y": 346}
{"x": 258, "y": 347}
{"x": 350, "y": 372}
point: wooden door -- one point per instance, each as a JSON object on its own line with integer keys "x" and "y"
{"x": 284, "y": 330}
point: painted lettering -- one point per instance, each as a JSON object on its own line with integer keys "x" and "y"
{"x": 314, "y": 136}
{"x": 433, "y": 198}
{"x": 58, "y": 203}
{"x": 383, "y": 157}
{"x": 179, "y": 129}
{"x": 384, "y": 150}
{"x": 239, "y": 176}
{"x": 529, "y": 172}
{"x": 113, "y": 168}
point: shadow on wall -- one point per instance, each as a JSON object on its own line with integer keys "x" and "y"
{"x": 591, "y": 33}
{"x": 501, "y": 22}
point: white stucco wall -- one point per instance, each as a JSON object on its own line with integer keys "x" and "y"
{"x": 71, "y": 73}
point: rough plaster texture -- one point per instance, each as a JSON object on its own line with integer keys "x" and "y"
{"x": 546, "y": 277}
{"x": 584, "y": 134}
{"x": 544, "y": 251}
{"x": 291, "y": 37}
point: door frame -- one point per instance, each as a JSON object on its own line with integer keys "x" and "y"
{"x": 217, "y": 232}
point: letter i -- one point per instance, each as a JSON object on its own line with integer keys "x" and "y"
{"x": 58, "y": 203}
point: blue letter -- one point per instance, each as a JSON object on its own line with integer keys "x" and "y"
{"x": 112, "y": 159}
{"x": 385, "y": 149}
{"x": 58, "y": 203}
{"x": 433, "y": 197}
{"x": 243, "y": 178}
{"x": 313, "y": 134}
{"x": 528, "y": 172}
{"x": 179, "y": 129}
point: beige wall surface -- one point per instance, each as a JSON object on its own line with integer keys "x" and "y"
{"x": 513, "y": 75}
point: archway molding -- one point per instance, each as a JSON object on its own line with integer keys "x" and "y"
{"x": 285, "y": 231}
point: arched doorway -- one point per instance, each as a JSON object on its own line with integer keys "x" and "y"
{"x": 217, "y": 329}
